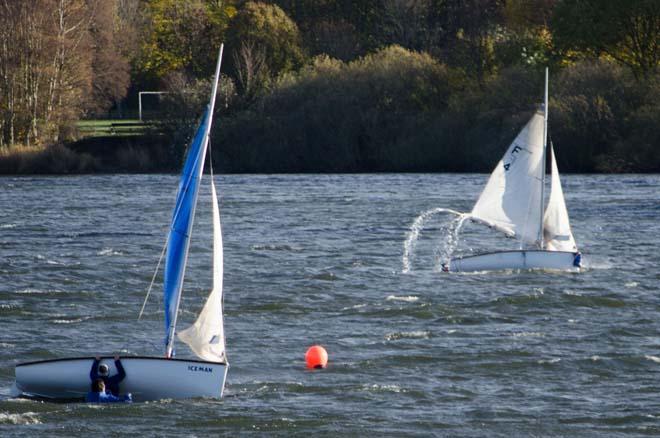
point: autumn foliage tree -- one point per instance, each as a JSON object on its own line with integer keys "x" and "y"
{"x": 50, "y": 59}
{"x": 627, "y": 31}
{"x": 183, "y": 36}
{"x": 264, "y": 43}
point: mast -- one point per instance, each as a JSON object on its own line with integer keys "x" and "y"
{"x": 169, "y": 344}
{"x": 215, "y": 90}
{"x": 543, "y": 159}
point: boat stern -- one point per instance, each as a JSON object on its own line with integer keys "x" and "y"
{"x": 577, "y": 259}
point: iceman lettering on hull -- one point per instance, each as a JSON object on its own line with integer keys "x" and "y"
{"x": 512, "y": 202}
{"x": 153, "y": 378}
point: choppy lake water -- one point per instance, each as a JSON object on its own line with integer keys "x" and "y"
{"x": 320, "y": 259}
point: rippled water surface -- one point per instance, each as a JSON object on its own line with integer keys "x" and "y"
{"x": 320, "y": 259}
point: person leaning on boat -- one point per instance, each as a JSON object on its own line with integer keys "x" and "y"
{"x": 111, "y": 384}
{"x": 98, "y": 394}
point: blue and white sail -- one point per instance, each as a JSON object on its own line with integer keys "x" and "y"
{"x": 206, "y": 337}
{"x": 183, "y": 217}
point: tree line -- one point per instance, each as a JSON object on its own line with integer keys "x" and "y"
{"x": 338, "y": 85}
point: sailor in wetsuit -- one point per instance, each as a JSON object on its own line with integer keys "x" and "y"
{"x": 98, "y": 394}
{"x": 111, "y": 384}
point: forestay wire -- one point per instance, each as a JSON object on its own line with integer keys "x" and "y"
{"x": 153, "y": 279}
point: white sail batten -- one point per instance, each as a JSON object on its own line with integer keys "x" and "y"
{"x": 556, "y": 226}
{"x": 206, "y": 337}
{"x": 510, "y": 199}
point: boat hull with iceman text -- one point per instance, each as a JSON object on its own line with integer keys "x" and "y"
{"x": 147, "y": 378}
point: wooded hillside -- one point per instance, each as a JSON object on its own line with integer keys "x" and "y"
{"x": 338, "y": 85}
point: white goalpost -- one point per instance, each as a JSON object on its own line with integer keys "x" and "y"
{"x": 140, "y": 100}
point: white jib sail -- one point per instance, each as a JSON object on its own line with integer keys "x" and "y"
{"x": 510, "y": 201}
{"x": 556, "y": 227}
{"x": 206, "y": 337}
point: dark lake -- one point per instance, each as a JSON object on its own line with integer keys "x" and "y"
{"x": 320, "y": 259}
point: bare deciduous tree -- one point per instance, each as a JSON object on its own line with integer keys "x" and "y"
{"x": 251, "y": 68}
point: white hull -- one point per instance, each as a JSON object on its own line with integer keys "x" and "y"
{"x": 534, "y": 259}
{"x": 147, "y": 378}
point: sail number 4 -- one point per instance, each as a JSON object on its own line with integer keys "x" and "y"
{"x": 514, "y": 151}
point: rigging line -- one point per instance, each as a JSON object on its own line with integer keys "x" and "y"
{"x": 162, "y": 253}
{"x": 153, "y": 279}
{"x": 544, "y": 158}
{"x": 528, "y": 213}
{"x": 209, "y": 147}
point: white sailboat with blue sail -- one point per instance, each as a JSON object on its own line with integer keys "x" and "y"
{"x": 154, "y": 378}
{"x": 513, "y": 203}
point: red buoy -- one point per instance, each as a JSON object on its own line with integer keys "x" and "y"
{"x": 316, "y": 357}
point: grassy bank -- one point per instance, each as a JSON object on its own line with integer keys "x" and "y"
{"x": 104, "y": 128}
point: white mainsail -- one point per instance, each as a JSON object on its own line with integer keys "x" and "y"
{"x": 510, "y": 201}
{"x": 206, "y": 337}
{"x": 556, "y": 227}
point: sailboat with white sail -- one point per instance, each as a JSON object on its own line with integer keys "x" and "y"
{"x": 513, "y": 203}
{"x": 154, "y": 378}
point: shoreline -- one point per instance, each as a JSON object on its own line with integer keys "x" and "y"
{"x": 150, "y": 154}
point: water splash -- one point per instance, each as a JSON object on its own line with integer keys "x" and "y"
{"x": 416, "y": 228}
{"x": 418, "y": 334}
{"x": 449, "y": 244}
{"x": 652, "y": 358}
{"x": 408, "y": 299}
